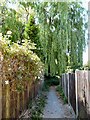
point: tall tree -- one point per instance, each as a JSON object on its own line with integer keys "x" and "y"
{"x": 61, "y": 30}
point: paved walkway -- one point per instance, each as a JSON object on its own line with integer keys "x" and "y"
{"x": 55, "y": 107}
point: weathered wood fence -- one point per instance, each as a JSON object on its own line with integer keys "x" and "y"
{"x": 21, "y": 72}
{"x": 76, "y": 87}
{"x": 0, "y": 86}
{"x": 14, "y": 102}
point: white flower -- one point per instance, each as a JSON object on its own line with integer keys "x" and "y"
{"x": 6, "y": 82}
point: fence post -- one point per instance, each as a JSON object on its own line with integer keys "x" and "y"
{"x": 7, "y": 99}
{"x": 76, "y": 83}
{"x": 28, "y": 90}
{"x": 88, "y": 92}
{"x": 18, "y": 102}
{"x": 65, "y": 84}
{"x": 23, "y": 99}
{"x": 61, "y": 80}
{"x": 68, "y": 89}
{"x": 0, "y": 98}
{"x": 1, "y": 76}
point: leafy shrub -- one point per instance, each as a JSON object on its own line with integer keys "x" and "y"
{"x": 45, "y": 87}
{"x": 37, "y": 106}
{"x": 19, "y": 63}
{"x": 52, "y": 80}
{"x": 87, "y": 66}
{"x": 61, "y": 93}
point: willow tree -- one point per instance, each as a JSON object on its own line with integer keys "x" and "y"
{"x": 61, "y": 29}
{"x": 77, "y": 35}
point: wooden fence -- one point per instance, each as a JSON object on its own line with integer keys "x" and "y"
{"x": 16, "y": 101}
{"x": 76, "y": 87}
{"x": 68, "y": 85}
{"x": 1, "y": 85}
{"x": 20, "y": 79}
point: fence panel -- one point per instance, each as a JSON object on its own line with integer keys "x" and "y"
{"x": 83, "y": 87}
{"x": 68, "y": 85}
{"x": 77, "y": 89}
{"x": 15, "y": 102}
{"x": 72, "y": 94}
{"x": 88, "y": 93}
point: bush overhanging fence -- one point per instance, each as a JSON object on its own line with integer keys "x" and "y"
{"x": 21, "y": 72}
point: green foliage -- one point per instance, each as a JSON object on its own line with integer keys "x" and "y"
{"x": 58, "y": 88}
{"x": 19, "y": 63}
{"x": 50, "y": 81}
{"x": 61, "y": 93}
{"x": 37, "y": 106}
{"x": 31, "y": 33}
{"x": 12, "y": 23}
{"x": 61, "y": 29}
{"x": 45, "y": 86}
{"x": 31, "y": 30}
{"x": 86, "y": 66}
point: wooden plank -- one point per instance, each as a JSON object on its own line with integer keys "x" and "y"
{"x": 72, "y": 94}
{"x": 68, "y": 88}
{"x": 65, "y": 84}
{"x": 76, "y": 81}
{"x": 0, "y": 99}
{"x": 82, "y": 94}
{"x": 88, "y": 93}
{"x": 7, "y": 100}
{"x": 1, "y": 64}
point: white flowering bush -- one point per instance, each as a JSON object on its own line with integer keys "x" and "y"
{"x": 19, "y": 63}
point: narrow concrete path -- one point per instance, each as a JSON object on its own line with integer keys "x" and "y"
{"x": 55, "y": 107}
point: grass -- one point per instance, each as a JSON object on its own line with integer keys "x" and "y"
{"x": 61, "y": 93}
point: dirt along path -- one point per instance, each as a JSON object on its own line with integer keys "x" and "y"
{"x": 55, "y": 107}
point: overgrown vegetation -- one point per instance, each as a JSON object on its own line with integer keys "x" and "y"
{"x": 45, "y": 87}
{"x": 36, "y": 38}
{"x": 19, "y": 63}
{"x": 86, "y": 66}
{"x": 56, "y": 28}
{"x": 61, "y": 93}
{"x": 36, "y": 106}
{"x": 62, "y": 35}
{"x": 51, "y": 81}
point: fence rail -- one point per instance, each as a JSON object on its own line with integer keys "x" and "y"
{"x": 76, "y": 87}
